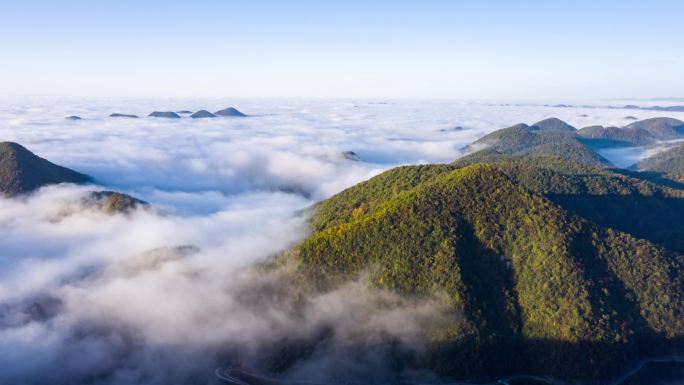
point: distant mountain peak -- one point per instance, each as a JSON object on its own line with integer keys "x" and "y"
{"x": 660, "y": 121}
{"x": 202, "y": 114}
{"x": 554, "y": 124}
{"x": 164, "y": 114}
{"x": 230, "y": 111}
{"x": 118, "y": 115}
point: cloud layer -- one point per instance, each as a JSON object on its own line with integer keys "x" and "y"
{"x": 166, "y": 295}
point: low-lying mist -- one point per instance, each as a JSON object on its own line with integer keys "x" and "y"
{"x": 150, "y": 298}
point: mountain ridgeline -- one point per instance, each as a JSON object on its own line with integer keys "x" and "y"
{"x": 546, "y": 261}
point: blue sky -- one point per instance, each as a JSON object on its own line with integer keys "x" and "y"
{"x": 422, "y": 49}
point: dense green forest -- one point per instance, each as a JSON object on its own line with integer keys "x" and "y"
{"x": 544, "y": 265}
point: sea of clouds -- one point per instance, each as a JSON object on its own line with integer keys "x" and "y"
{"x": 164, "y": 296}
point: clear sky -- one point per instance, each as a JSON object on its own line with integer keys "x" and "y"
{"x": 420, "y": 48}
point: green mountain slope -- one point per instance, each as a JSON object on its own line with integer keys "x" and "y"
{"x": 531, "y": 284}
{"x": 22, "y": 171}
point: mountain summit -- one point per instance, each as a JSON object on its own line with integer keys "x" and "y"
{"x": 553, "y": 124}
{"x": 202, "y": 114}
{"x": 230, "y": 111}
{"x": 164, "y": 114}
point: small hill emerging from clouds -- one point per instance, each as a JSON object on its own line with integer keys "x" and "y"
{"x": 550, "y": 137}
{"x": 113, "y": 202}
{"x": 164, "y": 114}
{"x": 202, "y": 114}
{"x": 22, "y": 171}
{"x": 230, "y": 111}
{"x": 539, "y": 273}
{"x": 118, "y": 115}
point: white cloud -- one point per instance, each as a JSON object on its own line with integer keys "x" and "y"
{"x": 84, "y": 294}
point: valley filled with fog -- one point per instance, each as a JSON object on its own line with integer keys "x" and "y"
{"x": 163, "y": 294}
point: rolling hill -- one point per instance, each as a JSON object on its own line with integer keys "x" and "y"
{"x": 661, "y": 128}
{"x": 600, "y": 136}
{"x": 638, "y": 133}
{"x": 551, "y": 137}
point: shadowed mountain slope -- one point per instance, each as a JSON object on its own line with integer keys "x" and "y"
{"x": 22, "y": 171}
